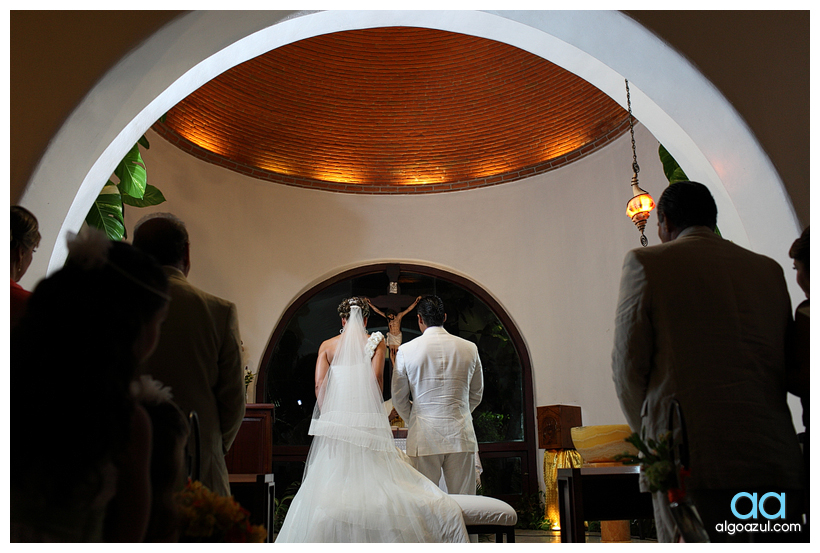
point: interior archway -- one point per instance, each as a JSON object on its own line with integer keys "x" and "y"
{"x": 697, "y": 125}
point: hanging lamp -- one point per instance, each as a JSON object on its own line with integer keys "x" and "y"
{"x": 641, "y": 204}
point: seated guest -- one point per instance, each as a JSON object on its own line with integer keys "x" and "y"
{"x": 707, "y": 322}
{"x": 25, "y": 237}
{"x": 168, "y": 474}
{"x": 79, "y": 462}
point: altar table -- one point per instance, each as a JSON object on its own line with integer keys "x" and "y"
{"x": 599, "y": 493}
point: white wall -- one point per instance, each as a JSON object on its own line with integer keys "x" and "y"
{"x": 683, "y": 109}
{"x": 549, "y": 249}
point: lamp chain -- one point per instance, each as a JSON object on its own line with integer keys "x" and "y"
{"x": 635, "y": 166}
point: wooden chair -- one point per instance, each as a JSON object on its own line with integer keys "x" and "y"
{"x": 193, "y": 449}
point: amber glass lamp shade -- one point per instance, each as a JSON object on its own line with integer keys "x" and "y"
{"x": 639, "y": 206}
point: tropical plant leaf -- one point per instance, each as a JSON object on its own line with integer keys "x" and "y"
{"x": 144, "y": 142}
{"x": 132, "y": 175}
{"x": 671, "y": 169}
{"x": 107, "y": 215}
{"x": 152, "y": 196}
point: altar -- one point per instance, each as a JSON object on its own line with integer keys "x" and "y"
{"x": 599, "y": 493}
{"x": 250, "y": 465}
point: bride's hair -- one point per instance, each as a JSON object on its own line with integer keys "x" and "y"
{"x": 344, "y": 307}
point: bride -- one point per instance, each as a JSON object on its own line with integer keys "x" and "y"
{"x": 357, "y": 487}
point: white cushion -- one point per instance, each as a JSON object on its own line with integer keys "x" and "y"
{"x": 480, "y": 509}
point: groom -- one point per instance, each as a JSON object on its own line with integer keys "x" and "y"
{"x": 442, "y": 373}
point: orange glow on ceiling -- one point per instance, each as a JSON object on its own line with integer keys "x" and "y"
{"x": 394, "y": 108}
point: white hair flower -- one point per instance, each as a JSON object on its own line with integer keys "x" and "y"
{"x": 88, "y": 249}
{"x": 147, "y": 390}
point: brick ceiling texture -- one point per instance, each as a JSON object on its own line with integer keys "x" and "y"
{"x": 396, "y": 110}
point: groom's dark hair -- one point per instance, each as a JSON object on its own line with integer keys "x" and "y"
{"x": 431, "y": 309}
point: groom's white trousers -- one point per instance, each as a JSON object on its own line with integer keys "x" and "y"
{"x": 458, "y": 468}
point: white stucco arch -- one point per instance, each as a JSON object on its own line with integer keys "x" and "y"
{"x": 669, "y": 96}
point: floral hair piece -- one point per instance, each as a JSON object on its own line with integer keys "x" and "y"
{"x": 89, "y": 251}
{"x": 150, "y": 391}
{"x": 372, "y": 342}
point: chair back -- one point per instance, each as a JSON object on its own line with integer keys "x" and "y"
{"x": 193, "y": 449}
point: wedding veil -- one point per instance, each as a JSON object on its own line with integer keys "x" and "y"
{"x": 350, "y": 406}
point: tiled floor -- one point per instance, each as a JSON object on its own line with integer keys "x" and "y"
{"x": 540, "y": 536}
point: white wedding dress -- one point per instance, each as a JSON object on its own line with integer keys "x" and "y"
{"x": 357, "y": 485}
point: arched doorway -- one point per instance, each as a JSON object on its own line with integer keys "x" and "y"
{"x": 504, "y": 420}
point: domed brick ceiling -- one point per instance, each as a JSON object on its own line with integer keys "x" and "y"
{"x": 394, "y": 110}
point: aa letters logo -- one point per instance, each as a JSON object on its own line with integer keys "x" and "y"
{"x": 760, "y": 506}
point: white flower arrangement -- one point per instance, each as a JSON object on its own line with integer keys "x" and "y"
{"x": 147, "y": 390}
{"x": 88, "y": 249}
{"x": 372, "y": 342}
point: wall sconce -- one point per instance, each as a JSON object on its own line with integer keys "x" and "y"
{"x": 641, "y": 204}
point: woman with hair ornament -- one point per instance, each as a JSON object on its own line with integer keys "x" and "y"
{"x": 79, "y": 466}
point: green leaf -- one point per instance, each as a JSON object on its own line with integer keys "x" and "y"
{"x": 106, "y": 214}
{"x": 152, "y": 196}
{"x": 671, "y": 169}
{"x": 132, "y": 175}
{"x": 144, "y": 142}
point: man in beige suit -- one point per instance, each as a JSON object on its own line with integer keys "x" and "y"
{"x": 705, "y": 321}
{"x": 199, "y": 354}
{"x": 442, "y": 373}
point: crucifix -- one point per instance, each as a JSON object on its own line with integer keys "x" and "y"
{"x": 393, "y": 306}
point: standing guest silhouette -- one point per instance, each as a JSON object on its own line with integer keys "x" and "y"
{"x": 79, "y": 458}
{"x": 706, "y": 322}
{"x": 199, "y": 353}
{"x": 25, "y": 237}
{"x": 800, "y": 368}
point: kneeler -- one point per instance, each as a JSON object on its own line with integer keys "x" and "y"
{"x": 487, "y": 515}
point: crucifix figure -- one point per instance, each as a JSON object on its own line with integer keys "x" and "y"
{"x": 393, "y": 338}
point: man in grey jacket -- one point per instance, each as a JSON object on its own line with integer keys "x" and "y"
{"x": 706, "y": 322}
{"x": 199, "y": 353}
{"x": 442, "y": 373}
